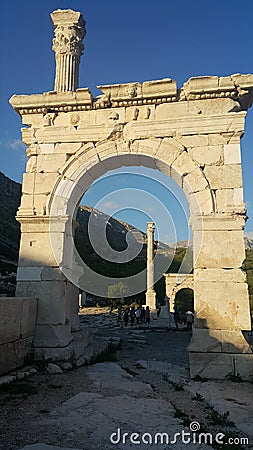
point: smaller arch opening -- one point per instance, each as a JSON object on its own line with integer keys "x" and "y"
{"x": 184, "y": 300}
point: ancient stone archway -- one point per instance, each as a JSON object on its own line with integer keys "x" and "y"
{"x": 192, "y": 134}
{"x": 174, "y": 282}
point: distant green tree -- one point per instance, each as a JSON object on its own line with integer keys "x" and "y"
{"x": 117, "y": 291}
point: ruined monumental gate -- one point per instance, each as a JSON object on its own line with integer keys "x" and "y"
{"x": 191, "y": 134}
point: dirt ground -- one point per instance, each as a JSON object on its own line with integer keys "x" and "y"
{"x": 24, "y": 404}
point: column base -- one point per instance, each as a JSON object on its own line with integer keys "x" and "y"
{"x": 74, "y": 349}
{"x": 151, "y": 299}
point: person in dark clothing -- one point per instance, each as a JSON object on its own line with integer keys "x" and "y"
{"x": 176, "y": 316}
{"x": 126, "y": 316}
{"x": 132, "y": 315}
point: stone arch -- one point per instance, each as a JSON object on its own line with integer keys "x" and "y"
{"x": 174, "y": 282}
{"x": 193, "y": 135}
{"x": 166, "y": 155}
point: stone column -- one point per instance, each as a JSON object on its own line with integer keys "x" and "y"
{"x": 69, "y": 32}
{"x": 150, "y": 294}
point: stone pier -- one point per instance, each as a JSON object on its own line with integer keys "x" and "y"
{"x": 150, "y": 294}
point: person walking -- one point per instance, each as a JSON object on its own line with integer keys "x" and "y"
{"x": 189, "y": 320}
{"x": 126, "y": 316}
{"x": 132, "y": 315}
{"x": 138, "y": 315}
{"x": 176, "y": 316}
{"x": 147, "y": 315}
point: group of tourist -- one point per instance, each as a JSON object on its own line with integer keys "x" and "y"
{"x": 134, "y": 315}
{"x": 141, "y": 315}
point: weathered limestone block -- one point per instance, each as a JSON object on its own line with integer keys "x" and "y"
{"x": 44, "y": 182}
{"x": 210, "y": 155}
{"x": 40, "y": 204}
{"x": 220, "y": 249}
{"x": 195, "y": 181}
{"x": 28, "y": 317}
{"x": 51, "y": 306}
{"x": 220, "y": 275}
{"x": 33, "y": 120}
{"x": 218, "y": 306}
{"x": 220, "y": 366}
{"x": 27, "y": 202}
{"x": 105, "y": 149}
{"x": 215, "y": 341}
{"x": 28, "y": 183}
{"x": 238, "y": 196}
{"x": 50, "y": 163}
{"x": 36, "y": 250}
{"x": 232, "y": 154}
{"x": 10, "y": 314}
{"x": 51, "y": 274}
{"x": 201, "y": 202}
{"x": 166, "y": 110}
{"x": 244, "y": 366}
{"x": 118, "y": 92}
{"x": 183, "y": 164}
{"x": 213, "y": 106}
{"x": 224, "y": 177}
{"x": 164, "y": 88}
{"x": 28, "y": 136}
{"x": 147, "y": 146}
{"x": 201, "y": 84}
{"x": 17, "y": 322}
{"x": 218, "y": 139}
{"x": 68, "y": 148}
{"x": 45, "y": 149}
{"x": 53, "y": 134}
{"x": 13, "y": 354}
{"x": 197, "y": 140}
{"x": 95, "y": 133}
{"x": 229, "y": 200}
{"x": 211, "y": 365}
{"x": 31, "y": 165}
{"x": 220, "y": 222}
{"x": 169, "y": 150}
{"x": 52, "y": 335}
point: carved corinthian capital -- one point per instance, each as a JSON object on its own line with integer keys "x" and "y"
{"x": 69, "y": 32}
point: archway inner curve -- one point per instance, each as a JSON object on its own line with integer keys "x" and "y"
{"x": 77, "y": 177}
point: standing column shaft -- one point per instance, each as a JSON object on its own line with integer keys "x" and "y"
{"x": 150, "y": 256}
{"x": 67, "y": 44}
{"x": 150, "y": 294}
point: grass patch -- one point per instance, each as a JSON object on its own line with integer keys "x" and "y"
{"x": 182, "y": 416}
{"x": 130, "y": 371}
{"x": 198, "y": 398}
{"x": 216, "y": 418}
{"x": 106, "y": 355}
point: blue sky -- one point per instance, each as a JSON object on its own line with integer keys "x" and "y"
{"x": 126, "y": 41}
